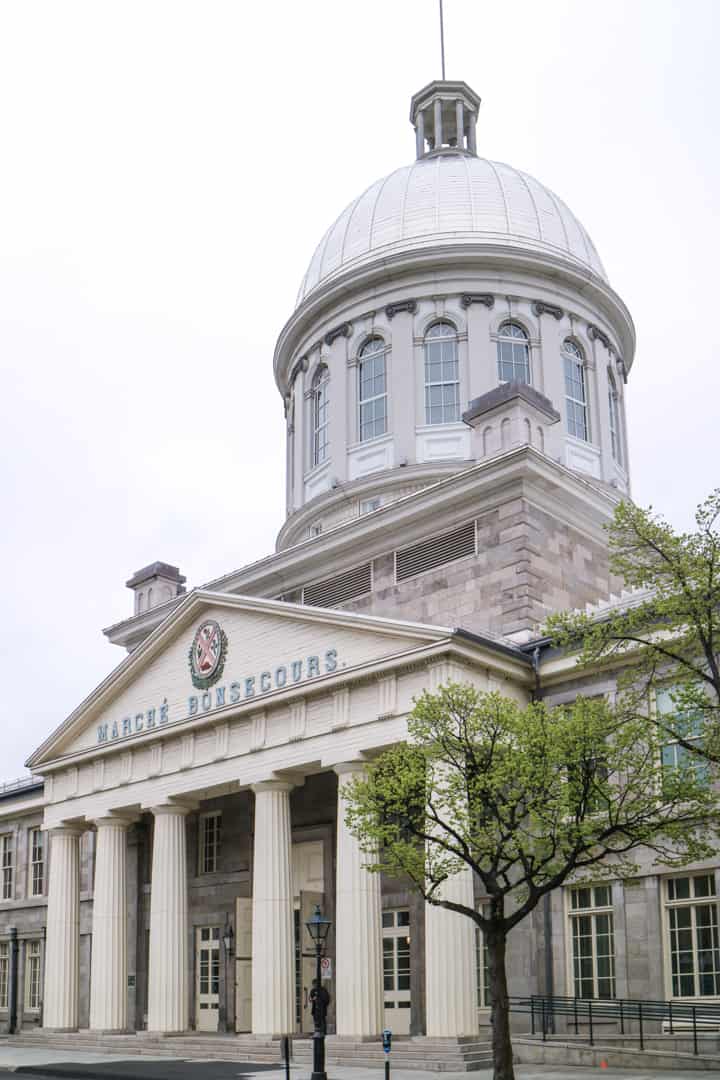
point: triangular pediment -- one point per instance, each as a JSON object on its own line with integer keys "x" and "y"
{"x": 263, "y": 649}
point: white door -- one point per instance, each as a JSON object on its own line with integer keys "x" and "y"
{"x": 396, "y": 970}
{"x": 207, "y": 981}
{"x": 243, "y": 963}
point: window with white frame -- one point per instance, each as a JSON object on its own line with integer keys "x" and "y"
{"x": 592, "y": 934}
{"x": 396, "y": 958}
{"x": 209, "y": 842}
{"x": 320, "y": 416}
{"x": 575, "y": 390}
{"x": 4, "y": 973}
{"x": 442, "y": 374}
{"x": 614, "y": 417}
{"x": 513, "y": 354}
{"x": 372, "y": 389}
{"x": 37, "y": 862}
{"x": 32, "y": 976}
{"x": 368, "y": 505}
{"x": 677, "y": 758}
{"x": 7, "y": 852}
{"x": 482, "y": 977}
{"x": 691, "y": 911}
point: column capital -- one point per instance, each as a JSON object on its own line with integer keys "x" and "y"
{"x": 272, "y": 785}
{"x": 66, "y": 829}
{"x": 351, "y": 768}
{"x": 183, "y": 808}
{"x": 113, "y": 821}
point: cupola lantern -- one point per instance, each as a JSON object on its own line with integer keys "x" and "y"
{"x": 444, "y": 114}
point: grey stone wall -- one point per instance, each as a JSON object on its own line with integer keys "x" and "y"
{"x": 528, "y": 564}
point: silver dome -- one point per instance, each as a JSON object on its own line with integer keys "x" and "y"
{"x": 445, "y": 199}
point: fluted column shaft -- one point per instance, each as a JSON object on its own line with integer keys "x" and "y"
{"x": 60, "y": 1009}
{"x": 358, "y": 936}
{"x": 108, "y": 981}
{"x": 168, "y": 987}
{"x": 273, "y": 951}
{"x": 450, "y": 975}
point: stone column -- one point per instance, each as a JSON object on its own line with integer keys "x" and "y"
{"x": 167, "y": 981}
{"x": 460, "y": 124}
{"x": 273, "y": 947}
{"x": 108, "y": 981}
{"x": 420, "y": 135}
{"x": 438, "y": 124}
{"x": 358, "y": 936}
{"x": 62, "y": 957}
{"x": 450, "y": 976}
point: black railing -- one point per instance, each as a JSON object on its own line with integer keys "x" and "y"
{"x": 677, "y": 1015}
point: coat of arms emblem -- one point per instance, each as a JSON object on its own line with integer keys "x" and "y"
{"x": 207, "y": 654}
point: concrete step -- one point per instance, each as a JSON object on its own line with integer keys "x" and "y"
{"x": 435, "y": 1055}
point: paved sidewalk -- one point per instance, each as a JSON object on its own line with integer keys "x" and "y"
{"x": 86, "y": 1066}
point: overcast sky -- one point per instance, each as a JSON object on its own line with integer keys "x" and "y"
{"x": 167, "y": 169}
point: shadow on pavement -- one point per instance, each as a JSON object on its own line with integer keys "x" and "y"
{"x": 170, "y": 1069}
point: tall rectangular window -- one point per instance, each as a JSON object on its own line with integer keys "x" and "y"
{"x": 37, "y": 862}
{"x": 4, "y": 973}
{"x": 614, "y": 418}
{"x": 689, "y": 726}
{"x": 7, "y": 862}
{"x": 593, "y": 941}
{"x": 372, "y": 389}
{"x": 32, "y": 976}
{"x": 481, "y": 970}
{"x": 694, "y": 939}
{"x": 575, "y": 392}
{"x": 209, "y": 842}
{"x": 442, "y": 375}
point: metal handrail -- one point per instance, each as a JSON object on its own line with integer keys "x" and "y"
{"x": 20, "y": 783}
{"x": 544, "y": 1009}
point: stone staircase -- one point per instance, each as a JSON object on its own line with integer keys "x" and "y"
{"x": 191, "y": 1046}
{"x": 419, "y": 1052}
{"x": 433, "y": 1055}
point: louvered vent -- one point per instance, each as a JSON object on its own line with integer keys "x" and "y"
{"x": 437, "y": 551}
{"x": 337, "y": 590}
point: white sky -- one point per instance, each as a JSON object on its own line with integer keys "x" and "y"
{"x": 166, "y": 169}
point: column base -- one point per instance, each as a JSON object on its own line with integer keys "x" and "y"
{"x": 354, "y": 1038}
{"x": 112, "y": 1031}
{"x": 168, "y": 1034}
{"x": 58, "y": 1030}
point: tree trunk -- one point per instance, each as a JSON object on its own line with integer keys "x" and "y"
{"x": 499, "y": 1006}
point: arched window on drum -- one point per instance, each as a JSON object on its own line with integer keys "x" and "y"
{"x": 442, "y": 375}
{"x": 576, "y": 410}
{"x": 513, "y": 353}
{"x": 320, "y": 416}
{"x": 614, "y": 416}
{"x": 372, "y": 389}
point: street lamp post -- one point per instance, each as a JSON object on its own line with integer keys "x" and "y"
{"x": 318, "y": 929}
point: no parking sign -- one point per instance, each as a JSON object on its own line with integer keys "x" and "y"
{"x": 326, "y": 967}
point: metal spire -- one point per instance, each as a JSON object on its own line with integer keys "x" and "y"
{"x": 442, "y": 41}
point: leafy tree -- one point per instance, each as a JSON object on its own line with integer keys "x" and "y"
{"x": 667, "y": 633}
{"x": 529, "y": 797}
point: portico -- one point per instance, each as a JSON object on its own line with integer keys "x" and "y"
{"x": 235, "y": 818}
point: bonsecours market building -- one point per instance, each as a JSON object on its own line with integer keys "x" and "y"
{"x": 453, "y": 378}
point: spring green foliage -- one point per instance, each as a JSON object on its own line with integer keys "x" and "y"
{"x": 526, "y": 796}
{"x": 669, "y": 636}
{"x": 529, "y": 797}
